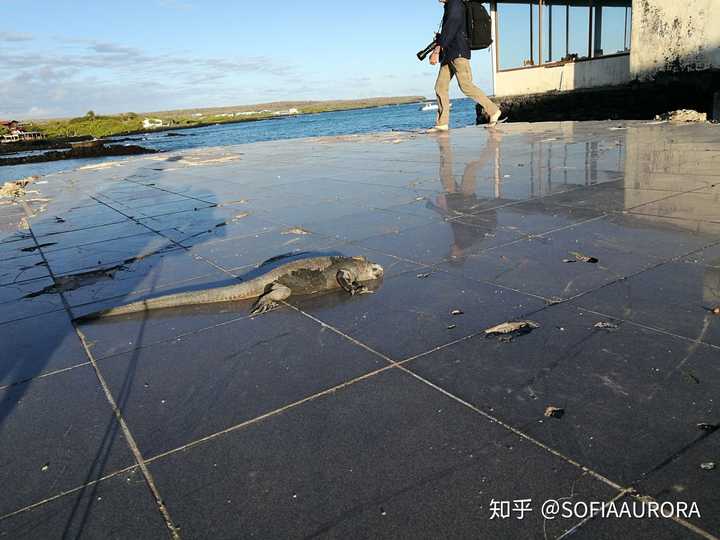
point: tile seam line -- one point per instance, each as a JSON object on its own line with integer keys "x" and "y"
{"x": 156, "y": 188}
{"x": 96, "y": 242}
{"x": 524, "y": 238}
{"x": 648, "y": 327}
{"x": 143, "y": 291}
{"x": 190, "y": 333}
{"x": 634, "y": 212}
{"x": 516, "y": 431}
{"x": 174, "y": 242}
{"x": 168, "y": 340}
{"x": 680, "y": 521}
{"x": 66, "y": 492}
{"x": 588, "y": 310}
{"x": 552, "y": 451}
{"x": 129, "y": 439}
{"x": 270, "y": 414}
{"x": 33, "y": 316}
{"x": 43, "y": 375}
{"x": 177, "y": 243}
{"x": 50, "y": 236}
{"x": 655, "y": 266}
{"x": 400, "y": 366}
{"x": 578, "y": 296}
{"x": 572, "y": 530}
{"x": 631, "y": 492}
{"x": 677, "y": 194}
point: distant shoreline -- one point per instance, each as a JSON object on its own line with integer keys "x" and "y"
{"x": 60, "y": 133}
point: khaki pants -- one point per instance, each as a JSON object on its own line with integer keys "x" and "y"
{"x": 460, "y": 68}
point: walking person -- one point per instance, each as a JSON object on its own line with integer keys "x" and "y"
{"x": 453, "y": 54}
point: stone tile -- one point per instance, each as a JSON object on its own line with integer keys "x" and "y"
{"x": 104, "y": 254}
{"x": 384, "y": 458}
{"x": 74, "y": 438}
{"x": 118, "y": 334}
{"x": 432, "y": 208}
{"x": 708, "y": 257}
{"x": 623, "y": 246}
{"x": 683, "y": 479}
{"x": 92, "y": 235}
{"x": 673, "y": 297}
{"x": 253, "y": 250}
{"x": 365, "y": 224}
{"x": 632, "y": 397}
{"x": 538, "y": 216}
{"x": 74, "y": 219}
{"x": 607, "y": 199}
{"x": 452, "y": 240}
{"x": 663, "y": 181}
{"x": 299, "y": 214}
{"x": 704, "y": 206}
{"x": 165, "y": 208}
{"x": 202, "y": 383}
{"x": 161, "y": 272}
{"x": 120, "y": 507}
{"x": 190, "y": 228}
{"x": 38, "y": 345}
{"x": 610, "y": 528}
{"x": 17, "y": 300}
{"x": 157, "y": 199}
{"x": 409, "y": 315}
{"x": 15, "y": 247}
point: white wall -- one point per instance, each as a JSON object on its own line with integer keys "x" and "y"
{"x": 674, "y": 35}
{"x": 608, "y": 71}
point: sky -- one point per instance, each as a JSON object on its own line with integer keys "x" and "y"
{"x": 65, "y": 57}
{"x": 61, "y": 58}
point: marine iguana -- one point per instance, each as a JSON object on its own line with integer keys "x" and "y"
{"x": 303, "y": 276}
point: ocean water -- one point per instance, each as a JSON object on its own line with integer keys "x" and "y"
{"x": 393, "y": 117}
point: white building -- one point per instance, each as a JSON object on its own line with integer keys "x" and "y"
{"x": 152, "y": 123}
{"x": 578, "y": 44}
{"x": 287, "y": 112}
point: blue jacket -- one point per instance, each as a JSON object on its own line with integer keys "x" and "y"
{"x": 453, "y": 37}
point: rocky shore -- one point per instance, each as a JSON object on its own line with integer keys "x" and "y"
{"x": 81, "y": 150}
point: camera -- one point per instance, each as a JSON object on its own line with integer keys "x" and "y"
{"x": 427, "y": 50}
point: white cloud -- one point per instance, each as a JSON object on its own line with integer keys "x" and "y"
{"x": 111, "y": 77}
{"x": 15, "y": 36}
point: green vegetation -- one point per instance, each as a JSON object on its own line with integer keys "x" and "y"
{"x": 123, "y": 124}
{"x": 90, "y": 124}
{"x": 4, "y": 131}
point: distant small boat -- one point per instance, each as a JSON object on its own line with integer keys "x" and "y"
{"x": 430, "y": 106}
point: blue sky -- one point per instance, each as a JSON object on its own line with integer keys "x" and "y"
{"x": 65, "y": 57}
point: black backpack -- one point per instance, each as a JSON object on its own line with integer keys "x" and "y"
{"x": 479, "y": 25}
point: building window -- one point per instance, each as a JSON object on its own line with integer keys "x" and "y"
{"x": 535, "y": 32}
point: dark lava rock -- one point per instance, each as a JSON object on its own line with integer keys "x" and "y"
{"x": 80, "y": 152}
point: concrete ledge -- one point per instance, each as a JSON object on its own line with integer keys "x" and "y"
{"x": 633, "y": 101}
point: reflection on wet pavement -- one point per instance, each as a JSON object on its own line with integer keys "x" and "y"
{"x": 389, "y": 413}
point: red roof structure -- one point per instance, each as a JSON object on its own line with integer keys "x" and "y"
{"x": 12, "y": 124}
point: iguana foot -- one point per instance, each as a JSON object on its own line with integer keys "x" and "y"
{"x": 263, "y": 305}
{"x": 348, "y": 282}
{"x": 269, "y": 301}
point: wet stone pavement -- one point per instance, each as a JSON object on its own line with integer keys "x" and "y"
{"x": 386, "y": 415}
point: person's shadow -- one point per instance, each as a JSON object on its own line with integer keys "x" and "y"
{"x": 18, "y": 374}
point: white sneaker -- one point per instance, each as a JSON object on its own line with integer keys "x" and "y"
{"x": 439, "y": 129}
{"x": 495, "y": 119}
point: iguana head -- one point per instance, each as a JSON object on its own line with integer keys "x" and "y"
{"x": 366, "y": 270}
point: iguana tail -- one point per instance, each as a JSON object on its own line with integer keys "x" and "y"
{"x": 192, "y": 298}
